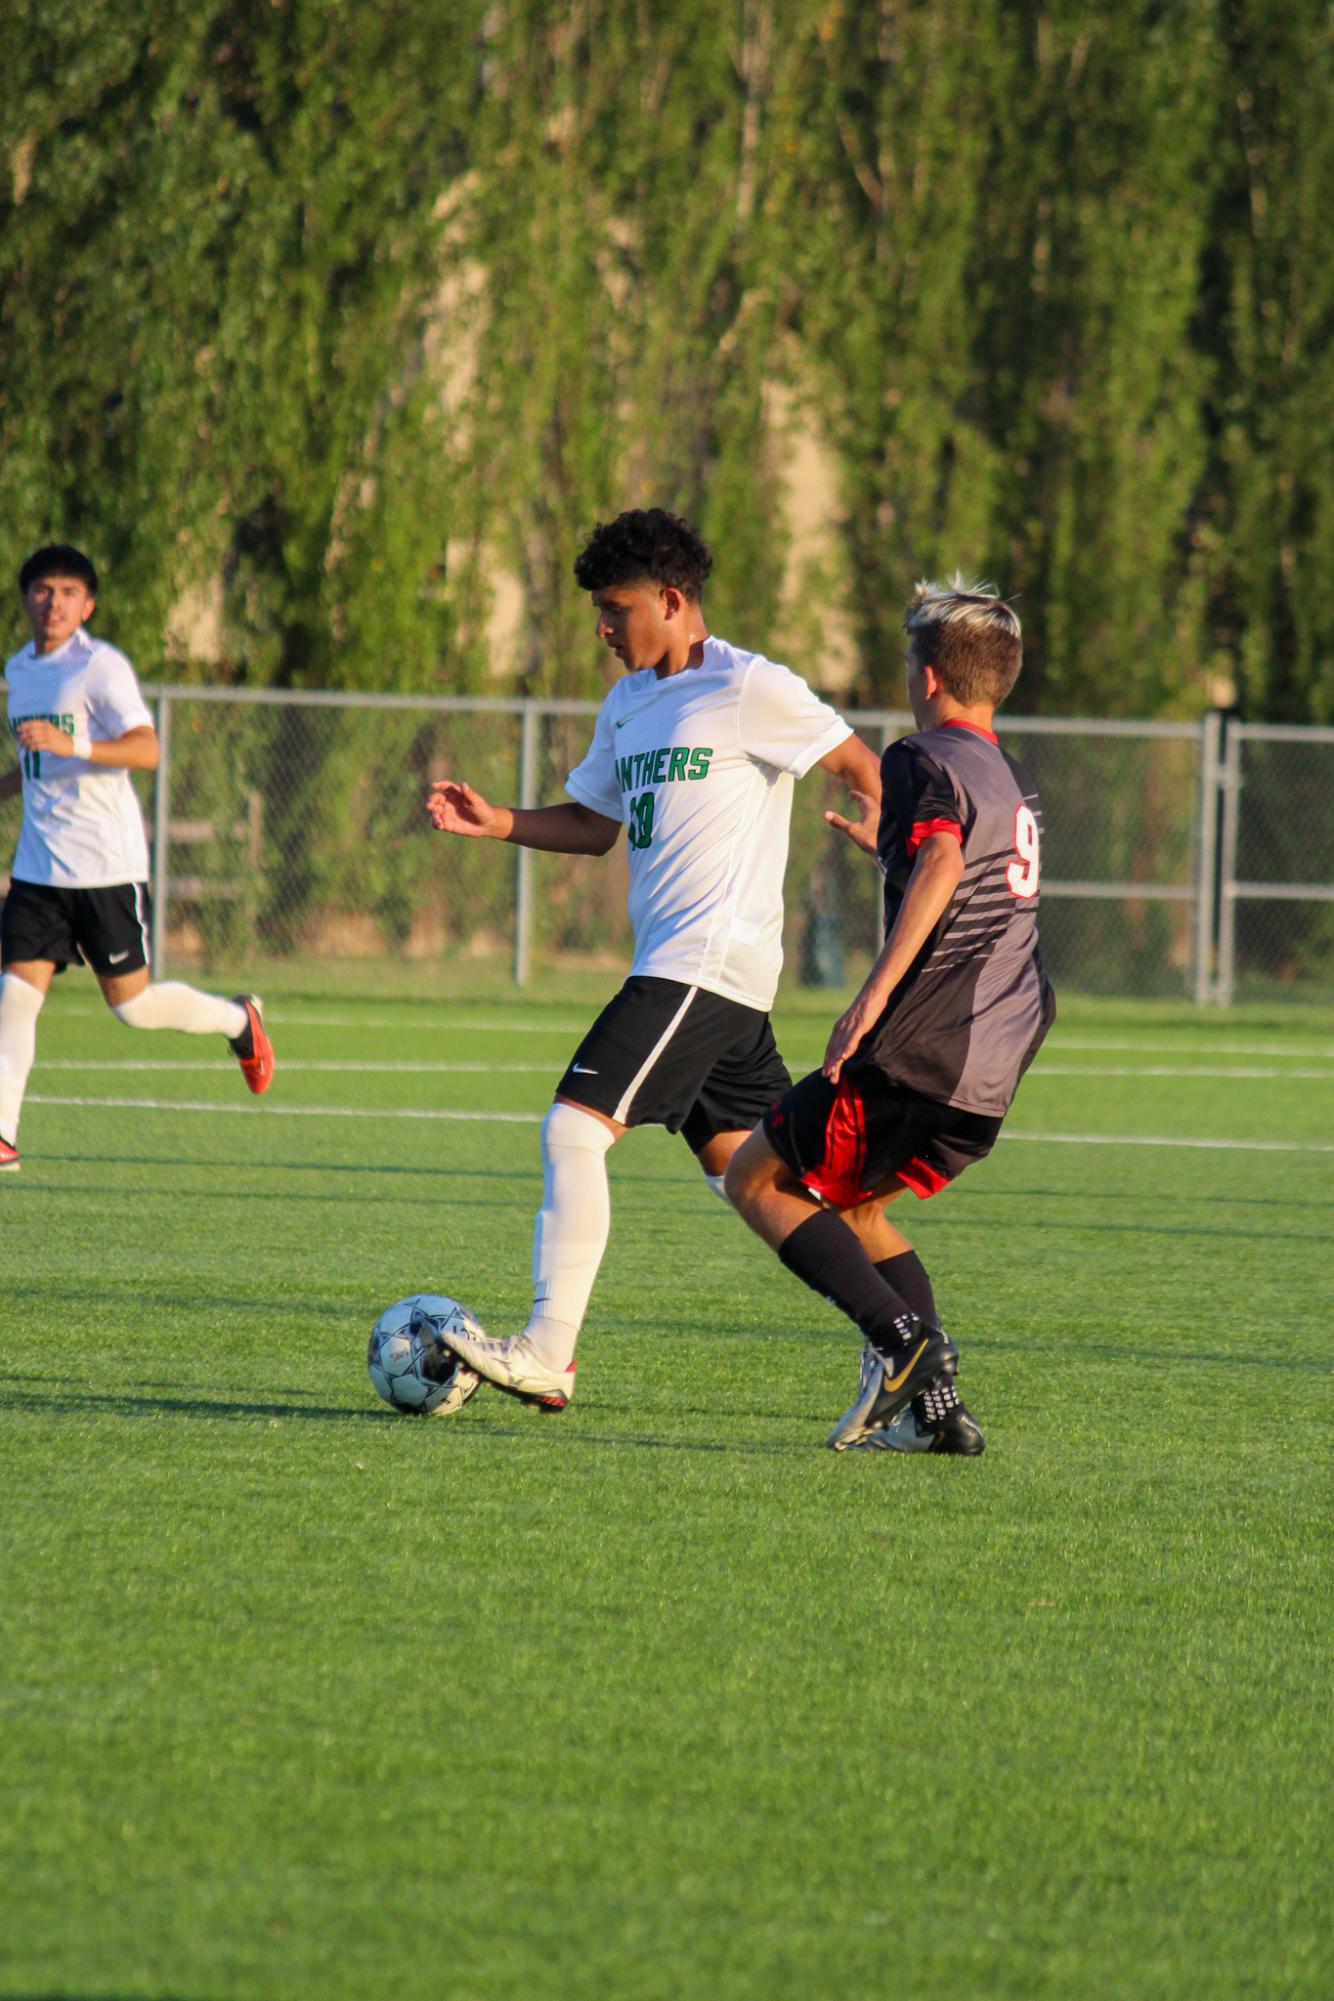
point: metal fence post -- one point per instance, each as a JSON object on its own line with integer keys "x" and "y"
{"x": 523, "y": 867}
{"x": 1227, "y": 866}
{"x": 1206, "y": 874}
{"x": 161, "y": 836}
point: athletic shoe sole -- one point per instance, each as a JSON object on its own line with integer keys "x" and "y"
{"x": 958, "y": 1434}
{"x": 257, "y": 1068}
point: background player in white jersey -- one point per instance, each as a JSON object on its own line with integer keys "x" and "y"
{"x": 79, "y": 885}
{"x": 921, "y": 1069}
{"x": 695, "y": 752}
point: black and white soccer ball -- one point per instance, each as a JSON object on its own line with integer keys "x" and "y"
{"x": 409, "y": 1363}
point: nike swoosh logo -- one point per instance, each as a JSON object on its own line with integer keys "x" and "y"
{"x": 114, "y": 958}
{"x": 582, "y": 1070}
{"x": 893, "y": 1383}
{"x": 624, "y": 720}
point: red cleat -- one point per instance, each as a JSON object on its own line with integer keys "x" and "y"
{"x": 252, "y": 1048}
{"x": 9, "y": 1157}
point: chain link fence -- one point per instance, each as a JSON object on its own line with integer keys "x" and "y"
{"x": 1179, "y": 858}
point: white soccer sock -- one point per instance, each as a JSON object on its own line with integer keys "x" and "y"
{"x": 716, "y": 1182}
{"x": 20, "y": 1005}
{"x": 572, "y": 1228}
{"x": 171, "y": 1004}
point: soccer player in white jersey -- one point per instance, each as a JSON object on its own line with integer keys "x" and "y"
{"x": 695, "y": 752}
{"x": 78, "y": 885}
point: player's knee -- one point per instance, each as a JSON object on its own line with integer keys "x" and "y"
{"x": 745, "y": 1176}
{"x": 568, "y": 1129}
{"x": 137, "y": 1012}
{"x": 18, "y": 997}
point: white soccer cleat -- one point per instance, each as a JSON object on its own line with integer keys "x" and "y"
{"x": 515, "y": 1367}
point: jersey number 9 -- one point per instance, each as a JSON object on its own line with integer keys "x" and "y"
{"x": 1022, "y": 874}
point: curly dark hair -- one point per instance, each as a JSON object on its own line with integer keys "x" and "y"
{"x": 645, "y": 545}
{"x": 59, "y": 559}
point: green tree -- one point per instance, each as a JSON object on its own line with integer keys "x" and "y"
{"x": 1266, "y": 520}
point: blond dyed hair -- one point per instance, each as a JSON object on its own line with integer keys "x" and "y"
{"x": 969, "y": 634}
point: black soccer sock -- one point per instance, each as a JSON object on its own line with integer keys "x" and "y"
{"x": 828, "y": 1257}
{"x": 907, "y": 1274}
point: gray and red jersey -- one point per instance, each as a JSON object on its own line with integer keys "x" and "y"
{"x": 969, "y": 1015}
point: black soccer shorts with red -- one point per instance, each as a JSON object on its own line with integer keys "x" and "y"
{"x": 108, "y": 927}
{"x": 847, "y": 1142}
{"x": 665, "y": 1054}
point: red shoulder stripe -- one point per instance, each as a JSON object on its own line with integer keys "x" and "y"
{"x": 922, "y": 830}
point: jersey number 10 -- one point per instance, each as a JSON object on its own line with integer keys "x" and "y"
{"x": 1022, "y": 874}
{"x": 640, "y": 827}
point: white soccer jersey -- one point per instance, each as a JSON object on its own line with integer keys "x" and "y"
{"x": 700, "y": 766}
{"x": 82, "y": 827}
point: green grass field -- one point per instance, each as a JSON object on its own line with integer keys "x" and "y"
{"x": 659, "y": 1698}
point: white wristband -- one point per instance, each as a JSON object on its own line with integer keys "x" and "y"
{"x": 83, "y": 743}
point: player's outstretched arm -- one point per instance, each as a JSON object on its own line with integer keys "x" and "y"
{"x": 568, "y": 829}
{"x": 934, "y": 879}
{"x": 137, "y": 750}
{"x": 858, "y": 766}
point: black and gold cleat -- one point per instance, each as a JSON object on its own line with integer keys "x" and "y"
{"x": 891, "y": 1380}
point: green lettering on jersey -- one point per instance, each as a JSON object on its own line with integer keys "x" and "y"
{"x": 670, "y": 764}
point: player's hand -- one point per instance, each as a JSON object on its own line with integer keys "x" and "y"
{"x": 845, "y": 1038}
{"x": 39, "y": 735}
{"x": 862, "y": 833}
{"x": 457, "y": 808}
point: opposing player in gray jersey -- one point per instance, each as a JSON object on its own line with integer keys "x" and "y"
{"x": 695, "y": 753}
{"x": 78, "y": 886}
{"x": 921, "y": 1069}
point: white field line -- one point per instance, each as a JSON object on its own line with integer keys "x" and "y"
{"x": 535, "y": 1118}
{"x": 222, "y": 1064}
{"x": 576, "y": 1026}
{"x": 1040, "y": 1069}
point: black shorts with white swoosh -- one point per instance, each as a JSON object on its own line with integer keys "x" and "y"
{"x": 108, "y": 928}
{"x": 665, "y": 1054}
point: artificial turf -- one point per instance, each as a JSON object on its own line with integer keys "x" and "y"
{"x": 658, "y": 1698}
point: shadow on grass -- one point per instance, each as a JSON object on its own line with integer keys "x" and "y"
{"x": 75, "y": 1403}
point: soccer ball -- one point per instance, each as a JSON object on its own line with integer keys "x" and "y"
{"x": 409, "y": 1363}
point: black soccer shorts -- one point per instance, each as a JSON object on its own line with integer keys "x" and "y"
{"x": 665, "y": 1054}
{"x": 847, "y": 1141}
{"x": 107, "y": 928}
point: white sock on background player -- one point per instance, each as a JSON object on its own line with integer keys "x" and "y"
{"x": 171, "y": 1004}
{"x": 20, "y": 1005}
{"x": 572, "y": 1228}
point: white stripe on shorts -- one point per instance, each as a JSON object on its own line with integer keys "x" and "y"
{"x": 139, "y": 919}
{"x": 622, "y": 1112}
